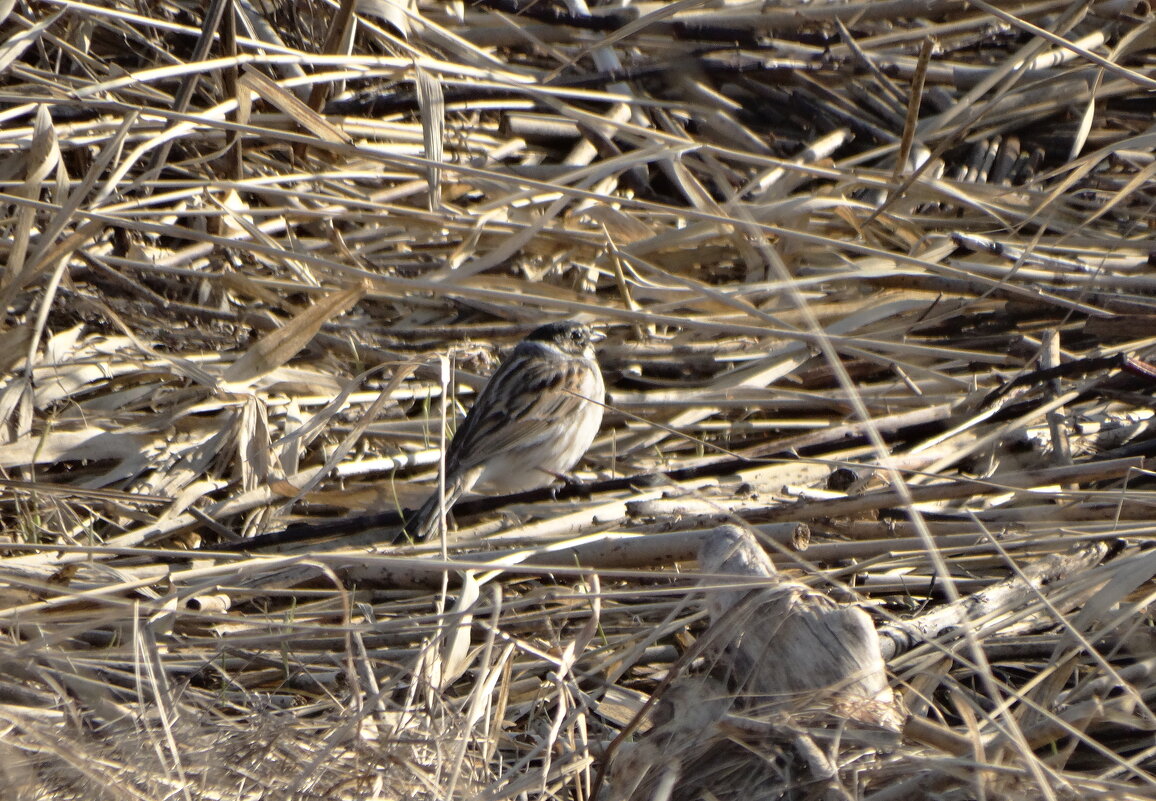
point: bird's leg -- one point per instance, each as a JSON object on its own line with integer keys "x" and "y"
{"x": 571, "y": 485}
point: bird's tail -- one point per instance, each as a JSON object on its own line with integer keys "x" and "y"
{"x": 423, "y": 524}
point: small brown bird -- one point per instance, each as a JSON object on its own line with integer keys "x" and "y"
{"x": 531, "y": 423}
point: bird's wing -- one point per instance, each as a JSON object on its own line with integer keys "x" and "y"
{"x": 519, "y": 406}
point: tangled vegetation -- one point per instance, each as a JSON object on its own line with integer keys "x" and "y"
{"x": 879, "y": 274}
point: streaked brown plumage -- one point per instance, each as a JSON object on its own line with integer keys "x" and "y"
{"x": 532, "y": 421}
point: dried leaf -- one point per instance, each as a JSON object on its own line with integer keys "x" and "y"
{"x": 454, "y": 658}
{"x": 433, "y": 113}
{"x": 292, "y": 107}
{"x": 253, "y": 444}
{"x": 16, "y": 44}
{"x": 88, "y": 444}
{"x": 281, "y": 345}
{"x": 393, "y": 12}
{"x": 40, "y": 159}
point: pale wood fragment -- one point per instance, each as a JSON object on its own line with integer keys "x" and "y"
{"x": 1004, "y": 596}
{"x": 791, "y": 645}
{"x": 793, "y": 663}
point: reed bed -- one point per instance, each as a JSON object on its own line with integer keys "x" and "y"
{"x": 876, "y": 278}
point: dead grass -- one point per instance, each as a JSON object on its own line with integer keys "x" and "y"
{"x": 883, "y": 269}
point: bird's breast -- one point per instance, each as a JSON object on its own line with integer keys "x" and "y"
{"x": 537, "y": 464}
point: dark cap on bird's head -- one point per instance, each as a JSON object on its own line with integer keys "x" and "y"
{"x": 566, "y": 335}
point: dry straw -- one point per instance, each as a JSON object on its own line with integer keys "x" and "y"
{"x": 876, "y": 276}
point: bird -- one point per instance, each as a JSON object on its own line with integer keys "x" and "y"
{"x": 532, "y": 422}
